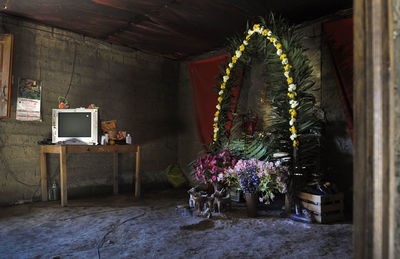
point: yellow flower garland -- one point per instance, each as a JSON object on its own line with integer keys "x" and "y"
{"x": 257, "y": 28}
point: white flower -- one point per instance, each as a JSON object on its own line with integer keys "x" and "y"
{"x": 292, "y": 137}
{"x": 269, "y": 33}
{"x": 221, "y": 92}
{"x": 215, "y": 118}
{"x": 286, "y": 74}
{"x": 245, "y": 42}
{"x": 292, "y": 87}
{"x": 220, "y": 177}
{"x": 250, "y": 32}
{"x": 285, "y": 61}
{"x": 279, "y": 52}
{"x": 238, "y": 53}
{"x": 275, "y": 42}
{"x": 225, "y": 78}
{"x": 293, "y": 104}
{"x": 218, "y": 107}
{"x": 292, "y": 121}
{"x": 216, "y": 130}
{"x": 230, "y": 65}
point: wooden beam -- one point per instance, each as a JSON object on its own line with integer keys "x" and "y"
{"x": 373, "y": 137}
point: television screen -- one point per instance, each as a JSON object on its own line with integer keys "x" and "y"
{"x": 74, "y": 124}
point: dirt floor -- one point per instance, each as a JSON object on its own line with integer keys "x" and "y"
{"x": 119, "y": 227}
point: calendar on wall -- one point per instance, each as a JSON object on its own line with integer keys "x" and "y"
{"x": 28, "y": 101}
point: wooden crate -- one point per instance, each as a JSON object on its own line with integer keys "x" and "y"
{"x": 326, "y": 208}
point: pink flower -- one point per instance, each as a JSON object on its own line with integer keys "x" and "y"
{"x": 213, "y": 178}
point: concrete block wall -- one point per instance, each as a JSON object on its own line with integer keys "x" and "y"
{"x": 337, "y": 155}
{"x": 137, "y": 90}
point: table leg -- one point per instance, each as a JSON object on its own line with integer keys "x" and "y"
{"x": 63, "y": 175}
{"x": 43, "y": 174}
{"x": 137, "y": 181}
{"x": 115, "y": 172}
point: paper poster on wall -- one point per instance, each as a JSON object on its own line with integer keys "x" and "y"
{"x": 28, "y": 101}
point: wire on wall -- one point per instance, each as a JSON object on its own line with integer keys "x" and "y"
{"x": 73, "y": 71}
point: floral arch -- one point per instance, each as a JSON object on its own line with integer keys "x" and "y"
{"x": 294, "y": 125}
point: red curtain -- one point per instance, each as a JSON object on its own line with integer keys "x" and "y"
{"x": 340, "y": 44}
{"x": 203, "y": 76}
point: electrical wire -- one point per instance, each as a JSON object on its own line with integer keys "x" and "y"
{"x": 73, "y": 71}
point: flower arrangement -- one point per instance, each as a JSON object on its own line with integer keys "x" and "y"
{"x": 253, "y": 175}
{"x": 210, "y": 168}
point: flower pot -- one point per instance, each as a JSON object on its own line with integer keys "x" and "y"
{"x": 251, "y": 203}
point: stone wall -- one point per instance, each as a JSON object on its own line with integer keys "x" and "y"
{"x": 137, "y": 90}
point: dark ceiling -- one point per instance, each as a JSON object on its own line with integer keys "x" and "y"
{"x": 174, "y": 29}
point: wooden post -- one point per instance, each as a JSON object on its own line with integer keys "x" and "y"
{"x": 373, "y": 130}
{"x": 63, "y": 175}
{"x": 137, "y": 181}
{"x": 43, "y": 173}
{"x": 115, "y": 172}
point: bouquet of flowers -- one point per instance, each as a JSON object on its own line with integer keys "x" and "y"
{"x": 210, "y": 168}
{"x": 253, "y": 175}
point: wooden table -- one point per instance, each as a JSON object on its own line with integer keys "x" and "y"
{"x": 63, "y": 150}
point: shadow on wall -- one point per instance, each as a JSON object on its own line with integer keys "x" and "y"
{"x": 337, "y": 159}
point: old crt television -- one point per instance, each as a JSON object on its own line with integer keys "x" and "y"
{"x": 75, "y": 126}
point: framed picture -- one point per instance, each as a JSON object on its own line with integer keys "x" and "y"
{"x": 6, "y": 53}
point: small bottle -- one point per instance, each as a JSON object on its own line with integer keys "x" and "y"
{"x": 128, "y": 139}
{"x": 54, "y": 191}
{"x": 106, "y": 138}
